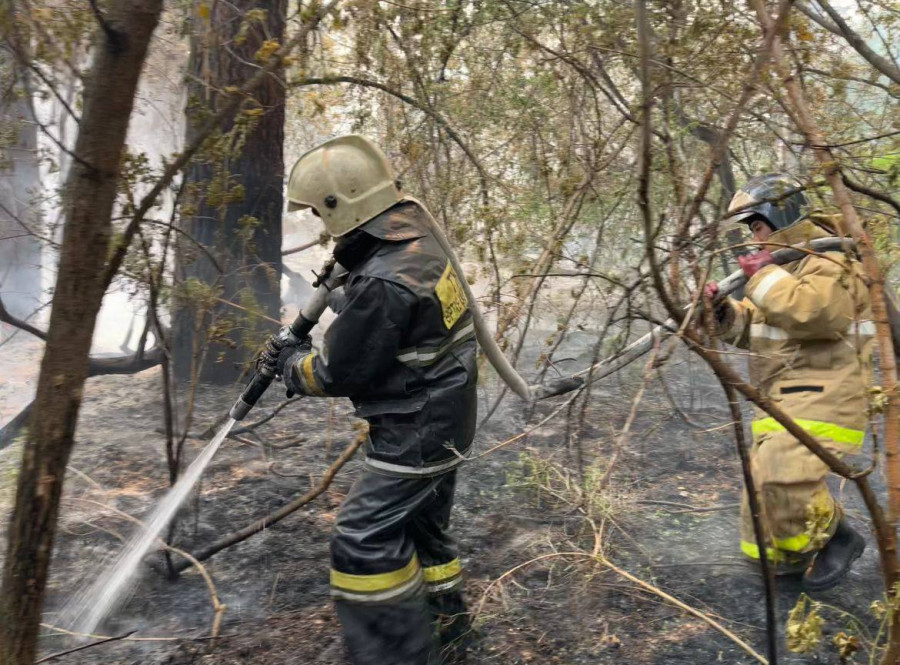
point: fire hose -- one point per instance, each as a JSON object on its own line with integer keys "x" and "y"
{"x": 335, "y": 274}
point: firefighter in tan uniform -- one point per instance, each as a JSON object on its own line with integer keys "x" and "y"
{"x": 403, "y": 349}
{"x": 808, "y": 327}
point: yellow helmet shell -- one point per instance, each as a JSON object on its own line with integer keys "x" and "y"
{"x": 347, "y": 180}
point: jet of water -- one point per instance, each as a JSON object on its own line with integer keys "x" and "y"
{"x": 92, "y": 603}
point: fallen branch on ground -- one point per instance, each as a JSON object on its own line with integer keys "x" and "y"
{"x": 281, "y": 513}
{"x": 98, "y": 367}
{"x": 106, "y": 640}
{"x": 672, "y": 506}
{"x": 72, "y": 633}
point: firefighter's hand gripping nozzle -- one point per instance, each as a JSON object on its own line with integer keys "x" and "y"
{"x": 332, "y": 276}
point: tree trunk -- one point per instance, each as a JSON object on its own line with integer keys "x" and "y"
{"x": 121, "y": 47}
{"x": 236, "y": 189}
{"x": 20, "y": 251}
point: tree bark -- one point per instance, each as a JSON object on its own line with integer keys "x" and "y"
{"x": 90, "y": 194}
{"x": 224, "y": 44}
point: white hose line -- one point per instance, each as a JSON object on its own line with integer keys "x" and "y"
{"x": 614, "y": 363}
{"x": 485, "y": 339}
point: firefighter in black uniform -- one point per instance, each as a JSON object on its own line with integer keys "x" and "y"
{"x": 402, "y": 348}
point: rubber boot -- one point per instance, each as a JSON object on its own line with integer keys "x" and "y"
{"x": 397, "y": 633}
{"x": 789, "y": 568}
{"x": 834, "y": 561}
{"x": 454, "y": 626}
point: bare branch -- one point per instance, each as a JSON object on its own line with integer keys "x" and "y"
{"x": 58, "y": 654}
{"x": 6, "y": 317}
{"x": 434, "y": 115}
{"x": 281, "y": 513}
{"x": 839, "y": 27}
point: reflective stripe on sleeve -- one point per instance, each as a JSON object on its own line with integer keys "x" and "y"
{"x": 863, "y": 328}
{"x": 308, "y": 377}
{"x": 422, "y": 356}
{"x": 377, "y": 587}
{"x": 759, "y": 293}
{"x": 765, "y": 331}
{"x": 817, "y": 428}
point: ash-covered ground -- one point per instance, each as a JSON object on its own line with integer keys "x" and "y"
{"x": 669, "y": 517}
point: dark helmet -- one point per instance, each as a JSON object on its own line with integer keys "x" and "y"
{"x": 776, "y": 197}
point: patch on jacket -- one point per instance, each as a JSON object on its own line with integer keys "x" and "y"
{"x": 452, "y": 296}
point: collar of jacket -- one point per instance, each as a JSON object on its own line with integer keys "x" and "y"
{"x": 352, "y": 249}
{"x": 814, "y": 227}
{"x": 803, "y": 231}
{"x": 396, "y": 224}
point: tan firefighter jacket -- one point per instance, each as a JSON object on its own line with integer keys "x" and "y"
{"x": 808, "y": 327}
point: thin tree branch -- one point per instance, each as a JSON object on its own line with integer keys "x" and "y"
{"x": 871, "y": 193}
{"x": 434, "y": 115}
{"x": 58, "y": 654}
{"x": 839, "y": 27}
{"x": 6, "y": 317}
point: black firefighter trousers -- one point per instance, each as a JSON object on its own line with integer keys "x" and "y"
{"x": 395, "y": 572}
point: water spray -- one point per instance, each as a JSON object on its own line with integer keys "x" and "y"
{"x": 92, "y": 603}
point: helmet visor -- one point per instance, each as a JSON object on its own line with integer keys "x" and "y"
{"x": 293, "y": 206}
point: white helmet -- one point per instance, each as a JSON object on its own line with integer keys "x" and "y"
{"x": 347, "y": 180}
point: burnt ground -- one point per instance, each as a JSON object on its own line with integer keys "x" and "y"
{"x": 557, "y": 610}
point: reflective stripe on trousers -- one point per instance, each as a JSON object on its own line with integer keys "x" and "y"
{"x": 817, "y": 428}
{"x": 443, "y": 577}
{"x": 378, "y": 587}
{"x": 398, "y": 583}
{"x": 775, "y": 556}
{"x": 403, "y": 471}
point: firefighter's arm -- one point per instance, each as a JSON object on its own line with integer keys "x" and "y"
{"x": 361, "y": 343}
{"x": 814, "y": 305}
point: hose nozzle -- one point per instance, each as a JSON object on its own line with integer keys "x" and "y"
{"x": 261, "y": 380}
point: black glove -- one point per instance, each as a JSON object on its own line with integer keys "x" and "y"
{"x": 289, "y": 355}
{"x": 267, "y": 362}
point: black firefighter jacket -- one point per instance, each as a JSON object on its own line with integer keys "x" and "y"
{"x": 402, "y": 347}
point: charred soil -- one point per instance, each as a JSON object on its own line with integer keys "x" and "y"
{"x": 669, "y": 516}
